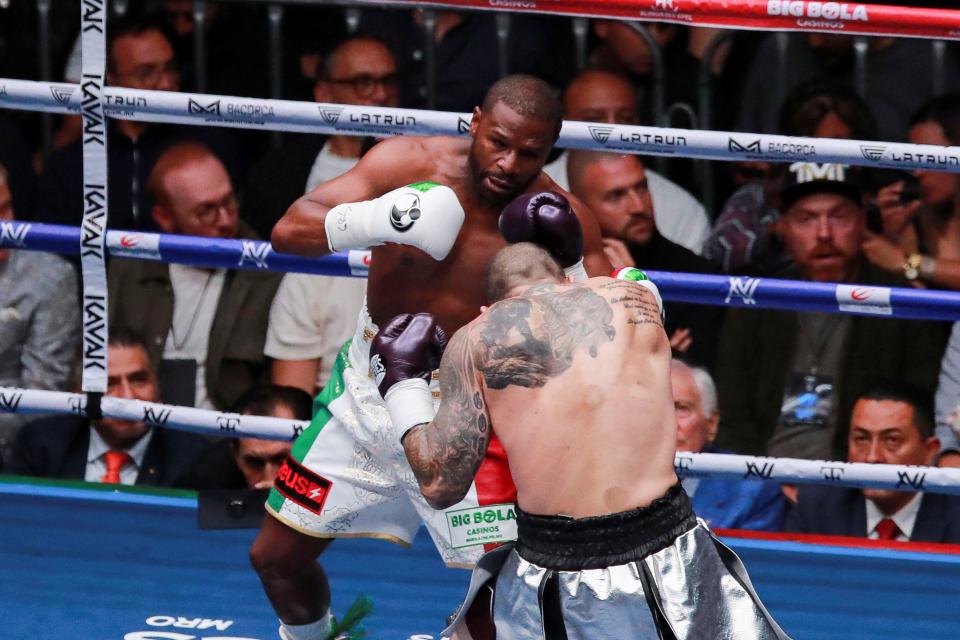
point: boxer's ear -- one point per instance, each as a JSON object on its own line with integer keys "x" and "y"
{"x": 484, "y": 308}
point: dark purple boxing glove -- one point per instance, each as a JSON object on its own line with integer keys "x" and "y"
{"x": 546, "y": 219}
{"x": 402, "y": 359}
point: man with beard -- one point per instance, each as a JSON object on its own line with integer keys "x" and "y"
{"x": 347, "y": 475}
{"x": 787, "y": 380}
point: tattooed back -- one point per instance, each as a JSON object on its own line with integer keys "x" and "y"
{"x": 576, "y": 379}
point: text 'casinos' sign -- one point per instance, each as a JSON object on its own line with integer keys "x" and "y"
{"x": 482, "y": 525}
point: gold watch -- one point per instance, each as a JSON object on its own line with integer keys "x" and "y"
{"x": 911, "y": 266}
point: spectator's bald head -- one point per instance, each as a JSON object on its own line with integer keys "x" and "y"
{"x": 192, "y": 193}
{"x": 601, "y": 96}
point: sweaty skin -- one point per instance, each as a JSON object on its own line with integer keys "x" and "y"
{"x": 404, "y": 279}
{"x": 575, "y": 379}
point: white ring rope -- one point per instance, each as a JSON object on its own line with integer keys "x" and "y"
{"x": 343, "y": 119}
{"x": 696, "y": 465}
{"x": 94, "y": 101}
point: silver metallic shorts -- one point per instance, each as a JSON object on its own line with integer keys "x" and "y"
{"x": 654, "y": 572}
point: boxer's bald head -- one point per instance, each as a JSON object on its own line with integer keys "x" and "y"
{"x": 518, "y": 266}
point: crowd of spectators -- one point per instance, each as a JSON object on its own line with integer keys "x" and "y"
{"x": 787, "y": 383}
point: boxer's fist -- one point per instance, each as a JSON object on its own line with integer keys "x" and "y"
{"x": 546, "y": 219}
{"x": 425, "y": 215}
{"x": 402, "y": 359}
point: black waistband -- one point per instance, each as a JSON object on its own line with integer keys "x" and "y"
{"x": 567, "y": 544}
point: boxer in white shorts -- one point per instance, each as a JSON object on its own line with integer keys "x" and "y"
{"x": 432, "y": 241}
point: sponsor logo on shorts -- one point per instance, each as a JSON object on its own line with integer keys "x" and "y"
{"x": 847, "y": 12}
{"x": 212, "y": 109}
{"x": 600, "y": 134}
{"x": 302, "y": 486}
{"x": 405, "y": 212}
{"x": 13, "y": 234}
{"x": 873, "y": 153}
{"x": 377, "y": 370}
{"x": 742, "y": 289}
{"x": 860, "y": 299}
{"x": 489, "y": 524}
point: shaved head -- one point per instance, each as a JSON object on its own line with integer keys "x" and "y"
{"x": 520, "y": 265}
{"x": 578, "y": 163}
{"x": 529, "y": 96}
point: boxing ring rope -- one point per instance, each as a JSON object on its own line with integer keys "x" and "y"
{"x": 257, "y": 255}
{"x": 695, "y": 465}
{"x": 853, "y": 18}
{"x": 343, "y": 119}
{"x": 93, "y": 240}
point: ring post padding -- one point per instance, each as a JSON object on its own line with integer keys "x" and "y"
{"x": 93, "y": 21}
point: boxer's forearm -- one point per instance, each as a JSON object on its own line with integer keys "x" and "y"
{"x": 301, "y": 229}
{"x": 444, "y": 466}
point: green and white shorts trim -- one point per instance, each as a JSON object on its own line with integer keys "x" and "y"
{"x": 359, "y": 483}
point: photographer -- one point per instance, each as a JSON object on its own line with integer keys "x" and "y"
{"x": 920, "y": 223}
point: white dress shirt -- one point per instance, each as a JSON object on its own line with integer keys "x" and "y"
{"x": 905, "y": 518}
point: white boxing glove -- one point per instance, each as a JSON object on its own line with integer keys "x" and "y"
{"x": 425, "y": 215}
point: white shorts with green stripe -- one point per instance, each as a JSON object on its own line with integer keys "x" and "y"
{"x": 347, "y": 476}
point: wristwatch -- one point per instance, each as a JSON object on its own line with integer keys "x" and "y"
{"x": 911, "y": 266}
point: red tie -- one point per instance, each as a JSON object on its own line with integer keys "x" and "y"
{"x": 887, "y": 529}
{"x": 115, "y": 461}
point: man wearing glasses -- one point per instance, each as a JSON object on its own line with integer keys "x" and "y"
{"x": 205, "y": 326}
{"x": 139, "y": 56}
{"x": 360, "y": 70}
{"x": 306, "y": 331}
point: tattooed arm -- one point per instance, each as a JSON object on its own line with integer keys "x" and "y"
{"x": 446, "y": 453}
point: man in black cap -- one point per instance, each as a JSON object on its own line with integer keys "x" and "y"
{"x": 787, "y": 380}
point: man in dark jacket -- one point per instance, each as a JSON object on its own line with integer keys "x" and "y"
{"x": 787, "y": 380}
{"x": 207, "y": 325}
{"x": 615, "y": 188}
{"x": 109, "y": 450}
{"x": 892, "y": 423}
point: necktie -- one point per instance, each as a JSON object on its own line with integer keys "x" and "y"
{"x": 115, "y": 461}
{"x": 887, "y": 529}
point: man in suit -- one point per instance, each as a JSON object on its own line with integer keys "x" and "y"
{"x": 787, "y": 380}
{"x": 892, "y": 423}
{"x": 207, "y": 325}
{"x": 109, "y": 450}
{"x": 726, "y": 503}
